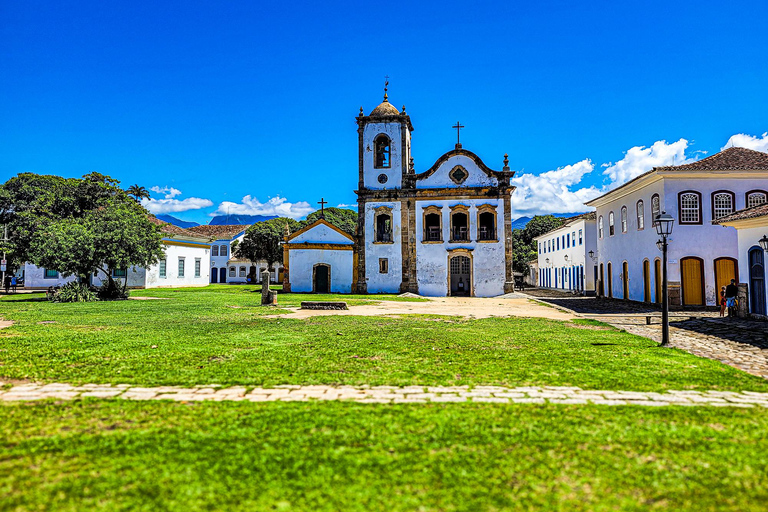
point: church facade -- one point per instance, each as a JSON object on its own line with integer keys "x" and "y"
{"x": 443, "y": 231}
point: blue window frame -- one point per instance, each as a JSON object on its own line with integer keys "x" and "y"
{"x": 581, "y": 237}
{"x": 50, "y": 274}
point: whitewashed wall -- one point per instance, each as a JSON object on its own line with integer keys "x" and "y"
{"x": 302, "y": 262}
{"x": 441, "y": 179}
{"x": 748, "y": 238}
{"x": 172, "y": 279}
{"x": 577, "y": 256}
{"x": 378, "y": 282}
{"x": 488, "y": 258}
{"x": 395, "y": 172}
{"x": 34, "y": 277}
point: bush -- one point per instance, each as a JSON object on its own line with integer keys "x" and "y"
{"x": 111, "y": 290}
{"x": 73, "y": 292}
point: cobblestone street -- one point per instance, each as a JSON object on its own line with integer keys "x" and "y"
{"x": 388, "y": 394}
{"x": 738, "y": 342}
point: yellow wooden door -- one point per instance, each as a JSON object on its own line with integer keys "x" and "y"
{"x": 657, "y": 266}
{"x": 725, "y": 270}
{"x": 693, "y": 294}
{"x": 646, "y": 281}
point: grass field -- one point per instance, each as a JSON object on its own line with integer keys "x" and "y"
{"x": 217, "y": 335}
{"x": 326, "y": 456}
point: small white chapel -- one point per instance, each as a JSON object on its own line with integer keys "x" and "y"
{"x": 445, "y": 231}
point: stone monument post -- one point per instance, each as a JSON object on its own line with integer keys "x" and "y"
{"x": 268, "y": 297}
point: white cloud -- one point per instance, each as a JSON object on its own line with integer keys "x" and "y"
{"x": 158, "y": 206}
{"x": 342, "y": 205}
{"x": 274, "y": 206}
{"x": 550, "y": 192}
{"x": 168, "y": 192}
{"x": 743, "y": 140}
{"x": 640, "y": 159}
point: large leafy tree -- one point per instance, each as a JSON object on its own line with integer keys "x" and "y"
{"x": 262, "y": 241}
{"x": 344, "y": 219}
{"x": 524, "y": 249}
{"x": 77, "y": 226}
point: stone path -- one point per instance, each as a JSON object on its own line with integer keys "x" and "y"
{"x": 737, "y": 342}
{"x": 388, "y": 395}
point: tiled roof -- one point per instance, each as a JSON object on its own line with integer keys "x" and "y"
{"x": 219, "y": 232}
{"x": 169, "y": 229}
{"x": 585, "y": 216}
{"x": 754, "y": 212}
{"x": 731, "y": 159}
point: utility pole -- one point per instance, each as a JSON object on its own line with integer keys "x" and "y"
{"x": 4, "y": 262}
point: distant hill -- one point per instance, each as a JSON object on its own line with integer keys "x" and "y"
{"x": 522, "y": 221}
{"x": 170, "y": 219}
{"x": 224, "y": 220}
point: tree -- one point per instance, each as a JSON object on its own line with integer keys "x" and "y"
{"x": 262, "y": 241}
{"x": 524, "y": 249}
{"x": 138, "y": 192}
{"x": 345, "y": 220}
{"x": 77, "y": 226}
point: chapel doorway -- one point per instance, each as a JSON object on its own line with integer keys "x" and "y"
{"x": 223, "y": 275}
{"x": 646, "y": 281}
{"x": 321, "y": 280}
{"x": 625, "y": 279}
{"x": 725, "y": 270}
{"x": 757, "y": 280}
{"x": 657, "y": 273}
{"x": 461, "y": 276}
{"x": 214, "y": 275}
{"x": 693, "y": 281}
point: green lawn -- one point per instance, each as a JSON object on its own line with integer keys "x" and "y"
{"x": 117, "y": 455}
{"x": 218, "y": 335}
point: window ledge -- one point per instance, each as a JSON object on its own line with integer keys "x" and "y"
{"x": 459, "y": 241}
{"x": 487, "y": 241}
{"x": 383, "y": 243}
{"x": 432, "y": 241}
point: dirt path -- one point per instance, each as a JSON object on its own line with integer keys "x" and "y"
{"x": 5, "y": 323}
{"x": 467, "y": 307}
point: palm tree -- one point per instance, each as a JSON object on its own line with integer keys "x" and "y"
{"x": 138, "y": 192}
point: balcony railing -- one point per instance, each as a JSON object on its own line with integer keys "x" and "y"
{"x": 486, "y": 233}
{"x": 384, "y": 236}
{"x": 460, "y": 234}
{"x": 433, "y": 234}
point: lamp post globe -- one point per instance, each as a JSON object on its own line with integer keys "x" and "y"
{"x": 763, "y": 242}
{"x": 664, "y": 223}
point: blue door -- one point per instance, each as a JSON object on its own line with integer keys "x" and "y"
{"x": 214, "y": 274}
{"x": 757, "y": 280}
{"x": 223, "y": 275}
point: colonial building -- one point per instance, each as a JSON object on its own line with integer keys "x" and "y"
{"x": 225, "y": 267}
{"x": 444, "y": 231}
{"x": 702, "y": 255}
{"x": 751, "y": 226}
{"x": 566, "y": 255}
{"x": 319, "y": 258}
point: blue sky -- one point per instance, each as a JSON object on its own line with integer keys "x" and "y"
{"x": 249, "y": 106}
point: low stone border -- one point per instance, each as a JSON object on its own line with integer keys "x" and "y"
{"x": 388, "y": 394}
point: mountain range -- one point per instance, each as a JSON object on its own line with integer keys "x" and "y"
{"x": 219, "y": 220}
{"x": 522, "y": 221}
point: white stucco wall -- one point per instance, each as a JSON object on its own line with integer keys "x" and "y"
{"x": 302, "y": 262}
{"x": 705, "y": 241}
{"x": 321, "y": 234}
{"x": 172, "y": 279}
{"x": 488, "y": 259}
{"x": 395, "y": 172}
{"x": 747, "y": 239}
{"x": 577, "y": 257}
{"x": 440, "y": 178}
{"x": 376, "y": 281}
{"x": 34, "y": 277}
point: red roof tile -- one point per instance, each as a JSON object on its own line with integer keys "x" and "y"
{"x": 754, "y": 212}
{"x": 219, "y": 232}
{"x": 731, "y": 159}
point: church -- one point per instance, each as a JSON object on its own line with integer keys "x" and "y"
{"x": 445, "y": 231}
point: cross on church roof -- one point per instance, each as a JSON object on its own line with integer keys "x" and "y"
{"x": 458, "y": 127}
{"x": 322, "y": 202}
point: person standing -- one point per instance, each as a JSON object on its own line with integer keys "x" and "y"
{"x": 731, "y": 292}
{"x": 722, "y": 301}
{"x": 13, "y": 283}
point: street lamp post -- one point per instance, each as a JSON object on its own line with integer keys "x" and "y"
{"x": 664, "y": 223}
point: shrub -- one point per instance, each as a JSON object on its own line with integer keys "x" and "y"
{"x": 111, "y": 290}
{"x": 73, "y": 292}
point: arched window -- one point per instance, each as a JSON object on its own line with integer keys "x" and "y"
{"x": 214, "y": 250}
{"x": 689, "y": 204}
{"x": 223, "y": 250}
{"x": 655, "y": 208}
{"x": 756, "y": 197}
{"x": 610, "y": 224}
{"x": 383, "y": 226}
{"x": 432, "y": 218}
{"x": 459, "y": 223}
{"x": 486, "y": 222}
{"x": 242, "y": 271}
{"x": 722, "y": 203}
{"x": 381, "y": 152}
{"x": 600, "y": 227}
{"x": 623, "y": 219}
{"x": 640, "y": 215}
{"x": 232, "y": 272}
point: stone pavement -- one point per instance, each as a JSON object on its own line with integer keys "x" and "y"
{"x": 388, "y": 395}
{"x": 737, "y": 342}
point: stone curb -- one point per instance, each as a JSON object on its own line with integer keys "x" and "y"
{"x": 564, "y": 395}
